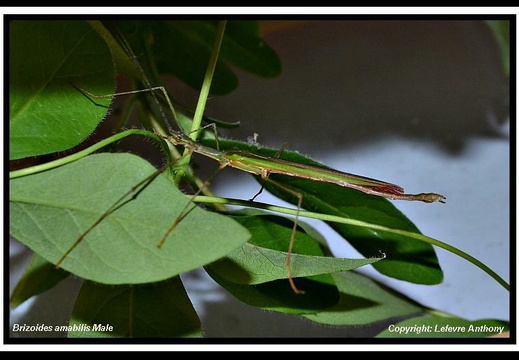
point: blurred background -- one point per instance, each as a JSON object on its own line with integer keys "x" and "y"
{"x": 423, "y": 104}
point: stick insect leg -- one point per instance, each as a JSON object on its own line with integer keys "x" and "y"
{"x": 288, "y": 261}
{"x": 186, "y": 208}
{"x": 278, "y": 154}
{"x": 137, "y": 189}
{"x": 215, "y": 130}
{"x": 151, "y": 90}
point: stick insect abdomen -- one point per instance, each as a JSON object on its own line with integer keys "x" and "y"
{"x": 264, "y": 165}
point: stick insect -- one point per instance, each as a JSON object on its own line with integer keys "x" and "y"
{"x": 264, "y": 166}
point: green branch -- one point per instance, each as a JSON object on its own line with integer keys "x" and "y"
{"x": 353, "y": 222}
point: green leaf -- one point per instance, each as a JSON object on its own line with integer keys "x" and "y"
{"x": 501, "y": 31}
{"x": 320, "y": 293}
{"x": 39, "y": 276}
{"x": 158, "y": 310}
{"x": 122, "y": 60}
{"x": 255, "y": 265}
{"x": 363, "y": 301}
{"x": 252, "y": 272}
{"x": 182, "y": 48}
{"x": 406, "y": 258}
{"x": 47, "y": 114}
{"x": 445, "y": 327}
{"x": 263, "y": 259}
{"x": 243, "y": 47}
{"x": 271, "y": 234}
{"x": 51, "y": 210}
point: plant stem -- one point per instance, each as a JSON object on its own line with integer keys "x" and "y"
{"x": 74, "y": 157}
{"x": 353, "y": 222}
{"x": 206, "y": 85}
{"x": 202, "y": 99}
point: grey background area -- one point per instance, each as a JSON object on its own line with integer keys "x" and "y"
{"x": 423, "y": 104}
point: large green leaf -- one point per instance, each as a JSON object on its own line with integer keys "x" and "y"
{"x": 157, "y": 310}
{"x": 406, "y": 258}
{"x": 363, "y": 301}
{"x": 49, "y": 211}
{"x": 47, "y": 114}
{"x": 445, "y": 327}
{"x": 39, "y": 276}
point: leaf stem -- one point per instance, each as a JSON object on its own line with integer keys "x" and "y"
{"x": 354, "y": 222}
